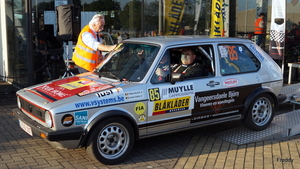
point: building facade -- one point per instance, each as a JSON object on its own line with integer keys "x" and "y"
{"x": 28, "y": 29}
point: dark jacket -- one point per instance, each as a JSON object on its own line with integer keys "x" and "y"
{"x": 192, "y": 70}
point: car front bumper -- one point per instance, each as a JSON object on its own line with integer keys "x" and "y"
{"x": 46, "y": 133}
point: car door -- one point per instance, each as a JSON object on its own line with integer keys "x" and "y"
{"x": 239, "y": 78}
{"x": 179, "y": 105}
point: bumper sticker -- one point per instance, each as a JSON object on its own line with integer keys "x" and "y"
{"x": 81, "y": 118}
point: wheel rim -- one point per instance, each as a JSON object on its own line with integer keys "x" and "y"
{"x": 113, "y": 141}
{"x": 262, "y": 111}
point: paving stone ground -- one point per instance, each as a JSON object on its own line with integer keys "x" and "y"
{"x": 195, "y": 148}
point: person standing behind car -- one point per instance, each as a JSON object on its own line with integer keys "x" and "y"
{"x": 293, "y": 31}
{"x": 260, "y": 28}
{"x": 87, "y": 53}
{"x": 119, "y": 37}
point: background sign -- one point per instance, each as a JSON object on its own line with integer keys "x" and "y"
{"x": 216, "y": 18}
{"x": 277, "y": 31}
{"x": 173, "y": 16}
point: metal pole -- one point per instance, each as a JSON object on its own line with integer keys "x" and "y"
{"x": 282, "y": 66}
{"x": 142, "y": 19}
{"x": 159, "y": 16}
{"x": 246, "y": 16}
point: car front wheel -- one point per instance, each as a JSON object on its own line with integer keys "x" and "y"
{"x": 260, "y": 113}
{"x": 111, "y": 141}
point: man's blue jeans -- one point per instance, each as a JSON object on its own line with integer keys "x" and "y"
{"x": 259, "y": 39}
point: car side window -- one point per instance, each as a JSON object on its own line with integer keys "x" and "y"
{"x": 162, "y": 72}
{"x": 235, "y": 59}
{"x": 191, "y": 61}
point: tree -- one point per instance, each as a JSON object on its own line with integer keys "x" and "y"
{"x": 110, "y": 8}
{"x": 151, "y": 16}
{"x": 130, "y": 16}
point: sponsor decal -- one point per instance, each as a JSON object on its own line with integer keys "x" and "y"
{"x": 214, "y": 104}
{"x": 139, "y": 108}
{"x": 77, "y": 84}
{"x": 68, "y": 87}
{"x": 223, "y": 50}
{"x": 108, "y": 93}
{"x": 171, "y": 105}
{"x": 118, "y": 83}
{"x": 169, "y": 93}
{"x": 240, "y": 49}
{"x": 94, "y": 88}
{"x": 178, "y": 91}
{"x": 220, "y": 103}
{"x": 81, "y": 118}
{"x": 52, "y": 91}
{"x": 228, "y": 52}
{"x": 172, "y": 91}
{"x": 103, "y": 94}
{"x": 154, "y": 94}
{"x": 67, "y": 120}
{"x": 100, "y": 102}
{"x": 134, "y": 95}
{"x": 231, "y": 82}
{"x": 256, "y": 53}
{"x": 142, "y": 118}
{"x": 210, "y": 116}
{"x": 217, "y": 99}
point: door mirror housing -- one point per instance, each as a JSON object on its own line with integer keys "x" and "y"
{"x": 176, "y": 77}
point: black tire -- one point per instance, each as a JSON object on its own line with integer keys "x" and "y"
{"x": 111, "y": 141}
{"x": 260, "y": 113}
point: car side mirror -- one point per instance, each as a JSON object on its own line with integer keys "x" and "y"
{"x": 176, "y": 77}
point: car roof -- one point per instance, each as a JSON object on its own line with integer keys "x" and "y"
{"x": 178, "y": 39}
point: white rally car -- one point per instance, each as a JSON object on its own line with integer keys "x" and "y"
{"x": 127, "y": 98}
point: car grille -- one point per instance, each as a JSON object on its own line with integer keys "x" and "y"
{"x": 32, "y": 109}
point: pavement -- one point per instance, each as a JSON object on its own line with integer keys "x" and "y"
{"x": 197, "y": 148}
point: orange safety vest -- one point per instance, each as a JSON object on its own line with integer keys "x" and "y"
{"x": 257, "y": 29}
{"x": 84, "y": 56}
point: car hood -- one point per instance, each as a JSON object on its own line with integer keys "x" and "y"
{"x": 80, "y": 92}
{"x": 72, "y": 86}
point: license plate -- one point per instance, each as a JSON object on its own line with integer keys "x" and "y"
{"x": 25, "y": 127}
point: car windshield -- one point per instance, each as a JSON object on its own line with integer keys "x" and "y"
{"x": 128, "y": 62}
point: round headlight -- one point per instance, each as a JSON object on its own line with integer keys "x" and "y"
{"x": 48, "y": 119}
{"x": 19, "y": 102}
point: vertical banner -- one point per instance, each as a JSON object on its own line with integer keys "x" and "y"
{"x": 197, "y": 14}
{"x": 277, "y": 31}
{"x": 225, "y": 16}
{"x": 216, "y": 18}
{"x": 173, "y": 16}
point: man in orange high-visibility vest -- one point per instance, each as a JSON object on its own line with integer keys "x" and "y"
{"x": 87, "y": 53}
{"x": 260, "y": 28}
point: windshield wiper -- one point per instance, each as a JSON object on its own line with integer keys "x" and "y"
{"x": 110, "y": 74}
